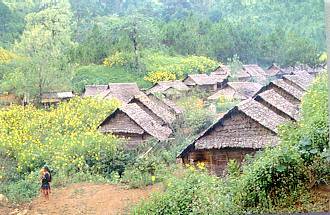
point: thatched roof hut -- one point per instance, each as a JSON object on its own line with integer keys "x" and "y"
{"x": 202, "y": 81}
{"x": 221, "y": 74}
{"x": 237, "y": 91}
{"x": 256, "y": 72}
{"x": 122, "y": 91}
{"x": 55, "y": 97}
{"x": 165, "y": 86}
{"x": 222, "y": 70}
{"x": 245, "y": 129}
{"x": 242, "y": 75}
{"x": 157, "y": 112}
{"x": 94, "y": 90}
{"x": 131, "y": 122}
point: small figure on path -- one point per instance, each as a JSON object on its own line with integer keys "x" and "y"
{"x": 46, "y": 178}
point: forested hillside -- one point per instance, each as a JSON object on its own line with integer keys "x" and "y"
{"x": 99, "y": 41}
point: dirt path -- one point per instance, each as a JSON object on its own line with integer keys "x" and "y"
{"x": 89, "y": 199}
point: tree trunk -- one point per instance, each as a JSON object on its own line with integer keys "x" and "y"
{"x": 136, "y": 51}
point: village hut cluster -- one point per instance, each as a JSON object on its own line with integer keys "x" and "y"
{"x": 265, "y": 100}
{"x": 251, "y": 125}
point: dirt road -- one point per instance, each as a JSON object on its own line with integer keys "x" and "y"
{"x": 89, "y": 199}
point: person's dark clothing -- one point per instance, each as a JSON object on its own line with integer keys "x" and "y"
{"x": 45, "y": 181}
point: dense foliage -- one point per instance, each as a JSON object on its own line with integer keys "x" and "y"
{"x": 278, "y": 179}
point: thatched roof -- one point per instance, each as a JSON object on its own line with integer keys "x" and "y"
{"x": 55, "y": 96}
{"x": 296, "y": 93}
{"x": 166, "y": 103}
{"x": 302, "y": 80}
{"x": 242, "y": 74}
{"x": 162, "y": 86}
{"x": 241, "y": 90}
{"x": 93, "y": 90}
{"x": 158, "y": 110}
{"x": 247, "y": 89}
{"x": 280, "y": 103}
{"x": 261, "y": 114}
{"x": 220, "y": 73}
{"x": 273, "y": 70}
{"x": 200, "y": 79}
{"x": 141, "y": 118}
{"x": 122, "y": 91}
{"x": 255, "y": 72}
{"x": 302, "y": 68}
{"x": 173, "y": 106}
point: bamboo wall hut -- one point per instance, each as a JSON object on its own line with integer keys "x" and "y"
{"x": 221, "y": 74}
{"x": 8, "y": 99}
{"x": 201, "y": 81}
{"x": 243, "y": 130}
{"x": 247, "y": 128}
{"x": 135, "y": 125}
{"x": 53, "y": 98}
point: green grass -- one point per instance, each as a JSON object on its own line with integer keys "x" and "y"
{"x": 98, "y": 74}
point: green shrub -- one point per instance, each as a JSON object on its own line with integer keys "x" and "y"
{"x": 196, "y": 117}
{"x": 277, "y": 177}
{"x": 145, "y": 171}
{"x": 192, "y": 192}
{"x": 22, "y": 190}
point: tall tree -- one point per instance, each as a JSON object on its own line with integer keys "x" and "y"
{"x": 134, "y": 33}
{"x": 44, "y": 44}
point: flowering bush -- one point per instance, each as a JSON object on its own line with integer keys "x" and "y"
{"x": 179, "y": 65}
{"x": 65, "y": 138}
{"x": 6, "y": 56}
{"x": 117, "y": 58}
{"x": 157, "y": 76}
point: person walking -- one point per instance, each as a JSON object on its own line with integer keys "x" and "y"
{"x": 46, "y": 178}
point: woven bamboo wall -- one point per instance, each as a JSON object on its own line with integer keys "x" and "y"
{"x": 216, "y": 160}
{"x": 119, "y": 123}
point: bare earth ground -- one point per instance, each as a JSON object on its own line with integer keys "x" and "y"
{"x": 87, "y": 199}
